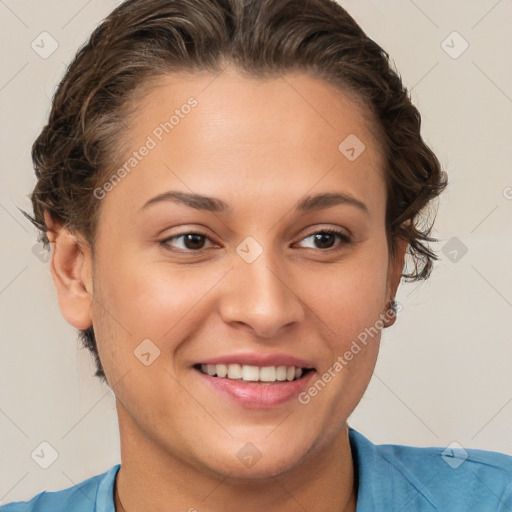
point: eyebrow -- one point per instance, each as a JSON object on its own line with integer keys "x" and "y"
{"x": 216, "y": 205}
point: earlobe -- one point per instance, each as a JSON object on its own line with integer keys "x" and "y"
{"x": 70, "y": 266}
{"x": 395, "y": 270}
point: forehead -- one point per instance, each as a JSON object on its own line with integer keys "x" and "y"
{"x": 236, "y": 137}
{"x": 312, "y": 110}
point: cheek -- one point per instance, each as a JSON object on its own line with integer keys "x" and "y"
{"x": 146, "y": 298}
{"x": 139, "y": 299}
{"x": 350, "y": 303}
{"x": 352, "y": 297}
{"x": 349, "y": 306}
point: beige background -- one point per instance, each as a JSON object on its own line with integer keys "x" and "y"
{"x": 444, "y": 372}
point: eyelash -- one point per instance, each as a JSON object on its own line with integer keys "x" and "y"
{"x": 344, "y": 238}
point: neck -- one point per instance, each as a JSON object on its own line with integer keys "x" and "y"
{"x": 152, "y": 479}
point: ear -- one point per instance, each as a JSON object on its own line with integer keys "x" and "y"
{"x": 395, "y": 269}
{"x": 71, "y": 268}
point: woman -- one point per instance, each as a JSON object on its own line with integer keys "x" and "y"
{"x": 230, "y": 188}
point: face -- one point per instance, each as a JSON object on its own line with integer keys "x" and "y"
{"x": 261, "y": 276}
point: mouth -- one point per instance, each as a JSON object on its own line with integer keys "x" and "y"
{"x": 254, "y": 374}
{"x": 254, "y": 387}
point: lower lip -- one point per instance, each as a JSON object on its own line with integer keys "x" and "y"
{"x": 258, "y": 395}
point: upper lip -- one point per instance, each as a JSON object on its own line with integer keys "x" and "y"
{"x": 254, "y": 359}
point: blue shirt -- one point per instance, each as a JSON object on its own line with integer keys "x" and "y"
{"x": 390, "y": 478}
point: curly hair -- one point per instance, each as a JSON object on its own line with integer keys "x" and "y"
{"x": 145, "y": 39}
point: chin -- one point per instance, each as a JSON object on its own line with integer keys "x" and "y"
{"x": 247, "y": 461}
{"x": 239, "y": 473}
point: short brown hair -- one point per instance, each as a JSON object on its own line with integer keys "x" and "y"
{"x": 142, "y": 39}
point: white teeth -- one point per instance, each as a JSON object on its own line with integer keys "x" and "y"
{"x": 251, "y": 373}
{"x": 222, "y": 370}
{"x": 234, "y": 371}
{"x": 268, "y": 374}
{"x": 281, "y": 373}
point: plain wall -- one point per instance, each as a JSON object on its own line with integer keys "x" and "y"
{"x": 444, "y": 370}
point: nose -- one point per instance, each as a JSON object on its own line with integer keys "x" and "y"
{"x": 261, "y": 297}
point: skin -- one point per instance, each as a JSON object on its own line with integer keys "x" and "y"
{"x": 259, "y": 145}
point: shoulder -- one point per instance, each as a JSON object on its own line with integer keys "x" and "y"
{"x": 95, "y": 493}
{"x": 434, "y": 478}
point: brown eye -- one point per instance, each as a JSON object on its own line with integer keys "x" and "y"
{"x": 325, "y": 239}
{"x": 190, "y": 241}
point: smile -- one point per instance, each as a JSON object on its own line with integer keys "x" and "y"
{"x": 251, "y": 373}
